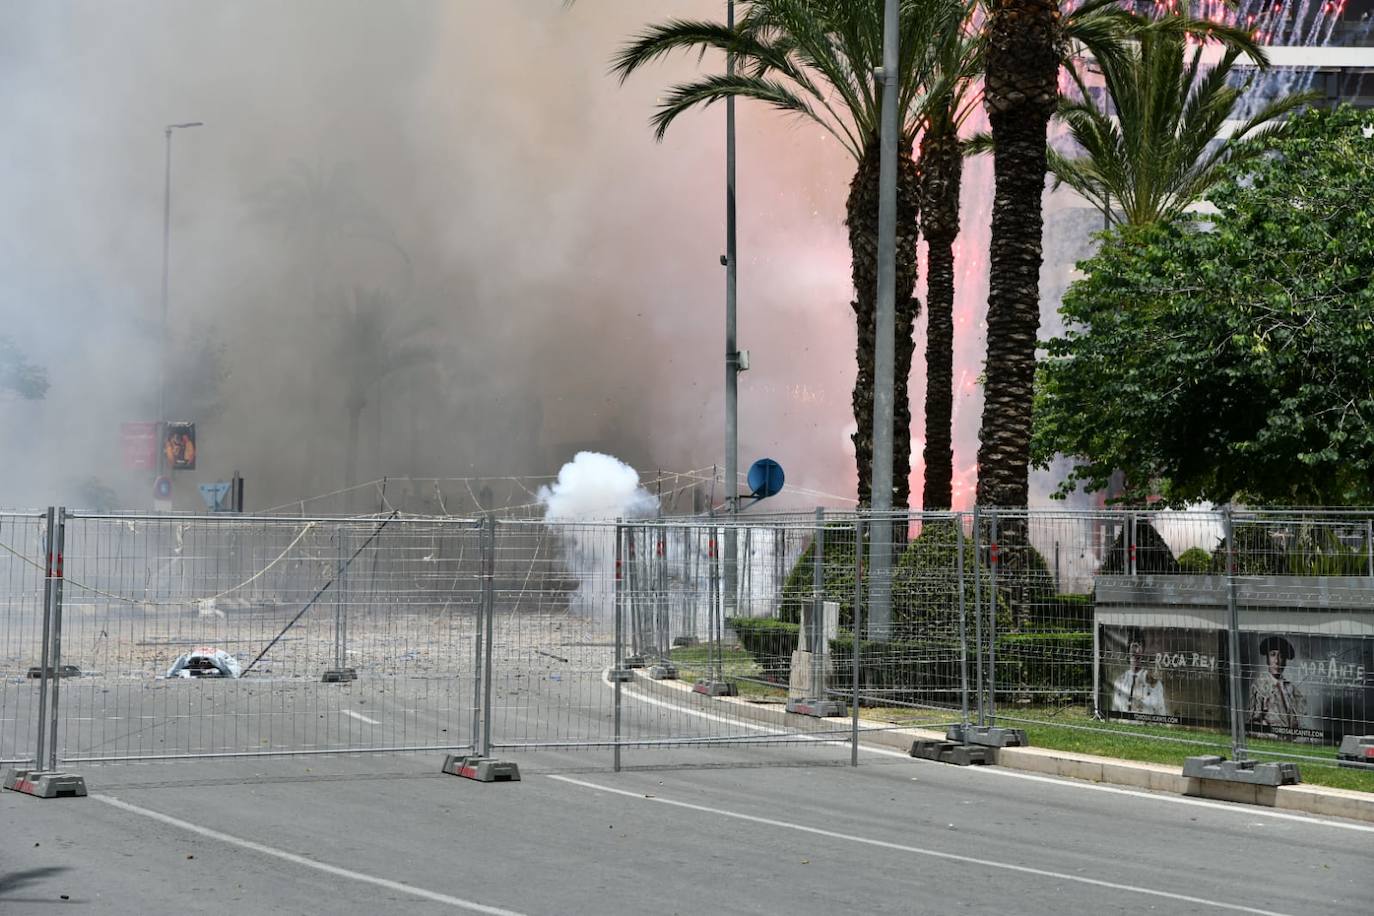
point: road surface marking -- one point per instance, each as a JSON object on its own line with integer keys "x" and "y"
{"x": 920, "y": 851}
{"x": 1235, "y": 808}
{"x": 307, "y": 863}
{"x": 360, "y": 717}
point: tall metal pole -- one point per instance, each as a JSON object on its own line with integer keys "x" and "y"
{"x": 880, "y": 569}
{"x": 58, "y": 579}
{"x": 166, "y": 260}
{"x": 45, "y": 666}
{"x": 856, "y": 646}
{"x": 618, "y": 603}
{"x": 1238, "y": 749}
{"x": 162, "y": 341}
{"x": 731, "y": 344}
{"x": 489, "y": 613}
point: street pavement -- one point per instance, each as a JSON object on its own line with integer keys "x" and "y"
{"x": 758, "y": 829}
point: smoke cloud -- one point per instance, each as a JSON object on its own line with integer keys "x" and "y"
{"x": 421, "y": 238}
{"x": 596, "y": 487}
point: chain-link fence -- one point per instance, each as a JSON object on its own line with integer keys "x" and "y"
{"x": 152, "y": 636}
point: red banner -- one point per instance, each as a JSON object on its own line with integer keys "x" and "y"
{"x": 139, "y": 443}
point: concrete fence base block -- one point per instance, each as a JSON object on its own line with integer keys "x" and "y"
{"x": 987, "y": 736}
{"x": 818, "y": 708}
{"x": 44, "y": 785}
{"x": 1248, "y": 772}
{"x": 952, "y": 752}
{"x": 662, "y": 672}
{"x": 714, "y": 688}
{"x": 1356, "y": 751}
{"x": 481, "y": 769}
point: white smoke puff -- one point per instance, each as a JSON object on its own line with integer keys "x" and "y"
{"x": 596, "y": 487}
{"x": 593, "y": 488}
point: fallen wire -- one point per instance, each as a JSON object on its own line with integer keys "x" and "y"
{"x": 343, "y": 567}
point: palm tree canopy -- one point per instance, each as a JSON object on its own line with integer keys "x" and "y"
{"x": 811, "y": 58}
{"x": 1156, "y": 144}
{"x": 371, "y": 345}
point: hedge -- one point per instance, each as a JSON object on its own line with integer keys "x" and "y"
{"x": 1028, "y": 662}
{"x": 769, "y": 642}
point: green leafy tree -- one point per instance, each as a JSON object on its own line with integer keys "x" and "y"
{"x": 19, "y": 377}
{"x": 1099, "y": 27}
{"x": 814, "y": 59}
{"x": 1231, "y": 357}
{"x": 1027, "y": 42}
{"x": 1155, "y": 144}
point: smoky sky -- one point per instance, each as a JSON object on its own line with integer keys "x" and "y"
{"x": 439, "y": 230}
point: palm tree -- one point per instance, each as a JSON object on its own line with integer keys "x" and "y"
{"x": 327, "y": 221}
{"x": 815, "y": 59}
{"x": 959, "y": 61}
{"x": 1155, "y": 146}
{"x": 371, "y": 347}
{"x": 1027, "y": 41}
{"x": 961, "y": 55}
{"x": 1020, "y": 91}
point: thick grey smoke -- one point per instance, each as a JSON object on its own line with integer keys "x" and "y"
{"x": 432, "y": 235}
{"x": 435, "y": 233}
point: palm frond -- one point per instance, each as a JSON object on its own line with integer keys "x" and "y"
{"x": 1158, "y": 142}
{"x": 978, "y": 144}
{"x": 711, "y": 89}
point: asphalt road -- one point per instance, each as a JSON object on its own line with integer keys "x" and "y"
{"x": 534, "y": 705}
{"x": 760, "y": 829}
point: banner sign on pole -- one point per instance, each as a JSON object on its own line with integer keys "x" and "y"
{"x": 138, "y": 441}
{"x": 179, "y": 445}
{"x": 214, "y": 494}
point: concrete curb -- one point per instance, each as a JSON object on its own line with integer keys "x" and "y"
{"x": 1152, "y": 777}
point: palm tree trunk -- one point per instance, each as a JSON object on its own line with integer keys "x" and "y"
{"x": 1020, "y": 93}
{"x": 941, "y": 169}
{"x": 862, "y": 220}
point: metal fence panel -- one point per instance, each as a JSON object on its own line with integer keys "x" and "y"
{"x": 576, "y": 603}
{"x": 1249, "y": 634}
{"x": 1245, "y": 633}
{"x": 23, "y": 573}
{"x": 351, "y": 634}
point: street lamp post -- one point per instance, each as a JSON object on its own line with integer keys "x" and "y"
{"x": 880, "y": 568}
{"x": 732, "y": 360}
{"x": 166, "y": 252}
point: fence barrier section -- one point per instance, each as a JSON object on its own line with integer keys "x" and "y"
{"x": 131, "y": 637}
{"x": 196, "y": 636}
{"x": 24, "y": 621}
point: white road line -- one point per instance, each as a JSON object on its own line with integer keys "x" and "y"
{"x": 308, "y": 863}
{"x": 920, "y": 851}
{"x": 360, "y": 717}
{"x": 1243, "y": 810}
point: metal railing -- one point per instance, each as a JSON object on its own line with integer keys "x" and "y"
{"x": 1247, "y": 632}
